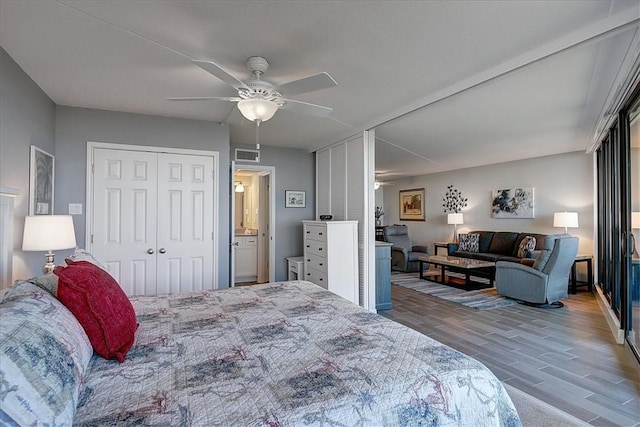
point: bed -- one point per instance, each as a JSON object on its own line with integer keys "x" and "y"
{"x": 278, "y": 354}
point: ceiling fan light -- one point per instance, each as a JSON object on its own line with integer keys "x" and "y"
{"x": 257, "y": 109}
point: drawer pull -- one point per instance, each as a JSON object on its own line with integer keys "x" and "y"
{"x": 320, "y": 233}
{"x": 308, "y": 246}
{"x": 318, "y": 249}
{"x": 321, "y": 264}
{"x": 308, "y": 274}
{"x": 321, "y": 279}
{"x": 308, "y": 232}
{"x": 308, "y": 260}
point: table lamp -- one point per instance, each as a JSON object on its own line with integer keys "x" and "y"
{"x": 566, "y": 220}
{"x": 455, "y": 219}
{"x": 48, "y": 233}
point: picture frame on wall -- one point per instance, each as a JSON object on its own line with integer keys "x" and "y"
{"x": 295, "y": 199}
{"x": 515, "y": 203}
{"x": 41, "y": 185}
{"x": 412, "y": 204}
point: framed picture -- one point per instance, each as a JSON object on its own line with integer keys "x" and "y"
{"x": 295, "y": 199}
{"x": 41, "y": 173}
{"x": 412, "y": 205}
{"x": 512, "y": 203}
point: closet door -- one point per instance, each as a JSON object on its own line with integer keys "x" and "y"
{"x": 152, "y": 220}
{"x": 185, "y": 229}
{"x": 124, "y": 221}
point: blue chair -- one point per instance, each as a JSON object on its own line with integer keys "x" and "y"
{"x": 404, "y": 255}
{"x": 545, "y": 282}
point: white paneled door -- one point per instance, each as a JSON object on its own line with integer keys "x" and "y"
{"x": 152, "y": 219}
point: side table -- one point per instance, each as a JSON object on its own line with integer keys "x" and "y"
{"x": 574, "y": 281}
{"x": 295, "y": 268}
{"x": 440, "y": 245}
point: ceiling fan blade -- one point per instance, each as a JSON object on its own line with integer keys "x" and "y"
{"x": 307, "y": 84}
{"x": 220, "y": 73}
{"x": 204, "y": 98}
{"x": 306, "y": 108}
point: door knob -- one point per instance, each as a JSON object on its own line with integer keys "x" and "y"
{"x": 150, "y": 251}
{"x": 162, "y": 250}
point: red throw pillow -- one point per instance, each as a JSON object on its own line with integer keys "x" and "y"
{"x": 100, "y": 305}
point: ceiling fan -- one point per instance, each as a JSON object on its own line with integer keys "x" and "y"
{"x": 258, "y": 100}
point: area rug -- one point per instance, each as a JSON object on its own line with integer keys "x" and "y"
{"x": 483, "y": 299}
{"x": 536, "y": 413}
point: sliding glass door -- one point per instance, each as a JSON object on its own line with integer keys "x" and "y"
{"x": 633, "y": 333}
{"x": 618, "y": 177}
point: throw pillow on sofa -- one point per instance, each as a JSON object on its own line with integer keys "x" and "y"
{"x": 527, "y": 245}
{"x": 469, "y": 242}
{"x": 100, "y": 305}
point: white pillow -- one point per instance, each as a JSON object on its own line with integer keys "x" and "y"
{"x": 84, "y": 255}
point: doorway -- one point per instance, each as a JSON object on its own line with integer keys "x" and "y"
{"x": 253, "y": 219}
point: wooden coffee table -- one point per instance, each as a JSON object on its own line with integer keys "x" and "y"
{"x": 457, "y": 264}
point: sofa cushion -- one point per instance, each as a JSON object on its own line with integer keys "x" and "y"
{"x": 485, "y": 240}
{"x": 539, "y": 242}
{"x": 476, "y": 255}
{"x": 503, "y": 243}
{"x": 101, "y": 307}
{"x": 469, "y": 242}
{"x": 526, "y": 246}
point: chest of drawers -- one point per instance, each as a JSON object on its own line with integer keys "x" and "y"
{"x": 331, "y": 256}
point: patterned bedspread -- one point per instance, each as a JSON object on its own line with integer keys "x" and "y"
{"x": 285, "y": 354}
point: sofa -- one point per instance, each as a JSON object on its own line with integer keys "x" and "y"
{"x": 499, "y": 246}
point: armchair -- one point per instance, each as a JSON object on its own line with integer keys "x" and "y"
{"x": 404, "y": 255}
{"x": 546, "y": 281}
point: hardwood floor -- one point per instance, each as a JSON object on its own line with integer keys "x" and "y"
{"x": 566, "y": 357}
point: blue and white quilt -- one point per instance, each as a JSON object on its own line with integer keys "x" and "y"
{"x": 285, "y": 354}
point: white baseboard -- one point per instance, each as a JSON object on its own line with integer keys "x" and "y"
{"x": 610, "y": 316}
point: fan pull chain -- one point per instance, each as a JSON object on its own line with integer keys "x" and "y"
{"x": 258, "y": 134}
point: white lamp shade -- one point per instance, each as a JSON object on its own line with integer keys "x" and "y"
{"x": 635, "y": 220}
{"x": 455, "y": 218}
{"x": 48, "y": 233}
{"x": 257, "y": 109}
{"x": 239, "y": 187}
{"x": 565, "y": 219}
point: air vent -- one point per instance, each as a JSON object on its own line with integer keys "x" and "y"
{"x": 247, "y": 155}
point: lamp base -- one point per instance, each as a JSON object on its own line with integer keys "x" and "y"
{"x": 49, "y": 266}
{"x": 455, "y": 234}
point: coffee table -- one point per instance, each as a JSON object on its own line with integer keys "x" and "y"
{"x": 454, "y": 263}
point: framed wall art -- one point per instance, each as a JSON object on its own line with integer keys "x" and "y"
{"x": 41, "y": 173}
{"x": 295, "y": 199}
{"x": 412, "y": 204}
{"x": 512, "y": 203}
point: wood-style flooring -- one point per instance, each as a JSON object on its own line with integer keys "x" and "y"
{"x": 566, "y": 357}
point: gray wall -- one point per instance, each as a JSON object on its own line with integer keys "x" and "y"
{"x": 295, "y": 170}
{"x": 562, "y": 182}
{"x": 76, "y": 126}
{"x": 27, "y": 117}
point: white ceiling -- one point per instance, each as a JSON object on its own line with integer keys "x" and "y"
{"x": 487, "y": 81}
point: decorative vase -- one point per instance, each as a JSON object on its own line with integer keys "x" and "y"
{"x": 378, "y": 222}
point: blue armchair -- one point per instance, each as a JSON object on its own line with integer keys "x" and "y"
{"x": 544, "y": 282}
{"x": 404, "y": 255}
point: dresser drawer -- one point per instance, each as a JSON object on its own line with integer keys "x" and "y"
{"x": 316, "y": 262}
{"x": 316, "y": 232}
{"x": 317, "y": 277}
{"x": 315, "y": 247}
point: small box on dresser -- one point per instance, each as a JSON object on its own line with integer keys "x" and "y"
{"x": 331, "y": 256}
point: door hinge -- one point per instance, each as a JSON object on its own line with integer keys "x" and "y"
{"x": 212, "y": 235}
{"x": 93, "y": 168}
{"x": 92, "y": 239}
